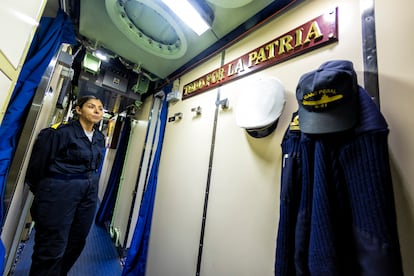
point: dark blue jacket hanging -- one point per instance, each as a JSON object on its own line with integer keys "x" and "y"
{"x": 337, "y": 213}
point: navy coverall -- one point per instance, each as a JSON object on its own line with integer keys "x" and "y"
{"x": 63, "y": 175}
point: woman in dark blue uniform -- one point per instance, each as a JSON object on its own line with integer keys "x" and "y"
{"x": 63, "y": 175}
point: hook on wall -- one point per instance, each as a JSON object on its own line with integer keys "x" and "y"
{"x": 176, "y": 116}
{"x": 197, "y": 110}
{"x": 224, "y": 103}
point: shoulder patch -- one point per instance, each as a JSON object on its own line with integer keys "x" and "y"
{"x": 55, "y": 126}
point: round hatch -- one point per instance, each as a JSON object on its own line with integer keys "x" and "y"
{"x": 148, "y": 26}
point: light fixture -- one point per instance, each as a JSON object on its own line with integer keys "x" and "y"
{"x": 91, "y": 63}
{"x": 189, "y": 14}
{"x": 101, "y": 56}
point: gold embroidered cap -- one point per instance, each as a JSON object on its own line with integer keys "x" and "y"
{"x": 328, "y": 98}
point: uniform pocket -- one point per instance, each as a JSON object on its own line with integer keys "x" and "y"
{"x": 291, "y": 177}
{"x": 78, "y": 154}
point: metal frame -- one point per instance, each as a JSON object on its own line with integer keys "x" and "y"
{"x": 369, "y": 49}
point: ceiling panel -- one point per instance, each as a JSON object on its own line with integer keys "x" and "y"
{"x": 104, "y": 24}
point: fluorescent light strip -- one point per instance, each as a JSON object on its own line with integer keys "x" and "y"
{"x": 187, "y": 13}
{"x": 101, "y": 56}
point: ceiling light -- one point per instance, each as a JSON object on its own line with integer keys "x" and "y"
{"x": 101, "y": 56}
{"x": 187, "y": 13}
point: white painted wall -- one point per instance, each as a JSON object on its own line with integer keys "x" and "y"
{"x": 396, "y": 71}
{"x": 180, "y": 192}
{"x": 130, "y": 173}
{"x": 18, "y": 22}
{"x": 243, "y": 208}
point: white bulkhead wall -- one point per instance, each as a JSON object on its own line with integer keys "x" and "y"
{"x": 395, "y": 38}
{"x": 18, "y": 22}
{"x": 243, "y": 207}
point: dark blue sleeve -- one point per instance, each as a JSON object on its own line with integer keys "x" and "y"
{"x": 368, "y": 175}
{"x": 289, "y": 203}
{"x": 37, "y": 168}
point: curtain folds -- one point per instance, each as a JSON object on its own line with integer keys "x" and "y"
{"x": 137, "y": 253}
{"x": 107, "y": 205}
{"x": 51, "y": 33}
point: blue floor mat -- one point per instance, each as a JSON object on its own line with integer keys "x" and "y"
{"x": 99, "y": 256}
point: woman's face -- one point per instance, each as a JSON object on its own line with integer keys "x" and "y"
{"x": 91, "y": 111}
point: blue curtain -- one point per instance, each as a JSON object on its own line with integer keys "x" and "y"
{"x": 48, "y": 38}
{"x": 137, "y": 253}
{"x": 107, "y": 205}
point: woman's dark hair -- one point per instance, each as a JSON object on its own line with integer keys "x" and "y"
{"x": 82, "y": 100}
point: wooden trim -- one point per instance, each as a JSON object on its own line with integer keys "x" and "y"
{"x": 7, "y": 68}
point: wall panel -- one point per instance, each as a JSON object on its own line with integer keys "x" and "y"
{"x": 396, "y": 71}
{"x": 243, "y": 207}
{"x": 24, "y": 16}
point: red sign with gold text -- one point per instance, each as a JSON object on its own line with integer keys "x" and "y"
{"x": 315, "y": 33}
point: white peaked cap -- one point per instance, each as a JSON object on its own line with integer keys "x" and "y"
{"x": 260, "y": 103}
